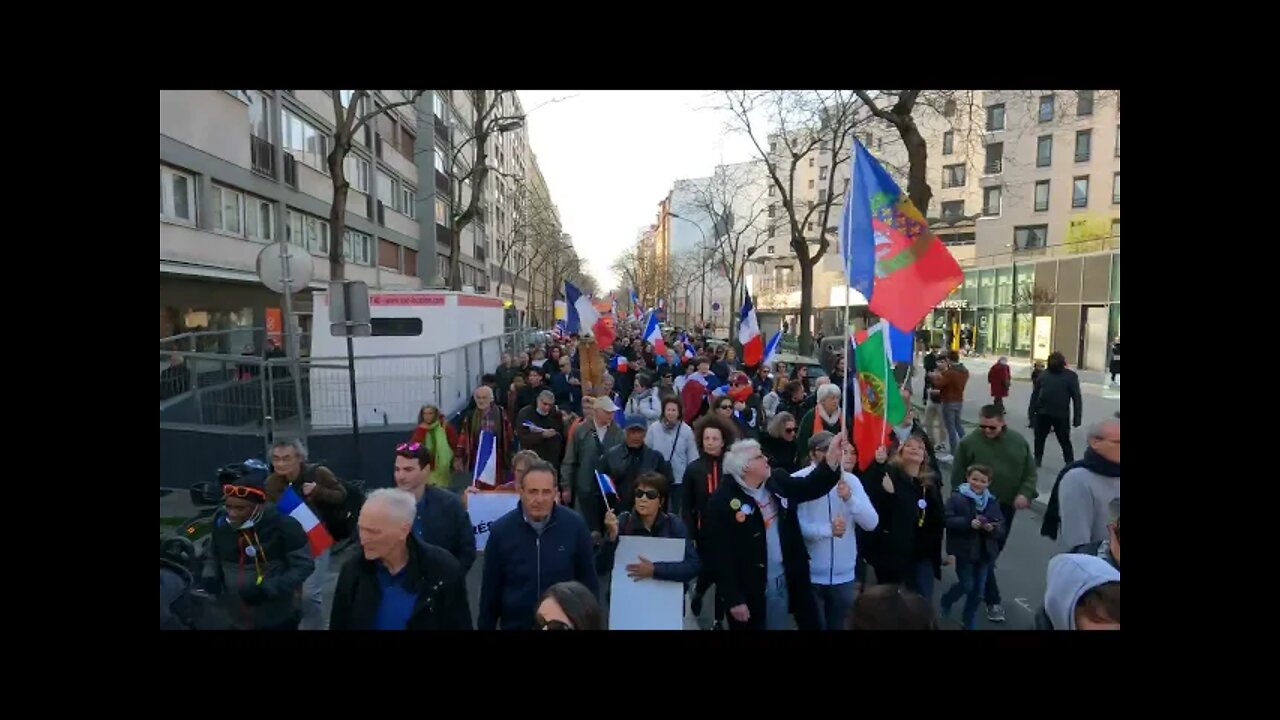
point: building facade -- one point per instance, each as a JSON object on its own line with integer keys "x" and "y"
{"x": 241, "y": 169}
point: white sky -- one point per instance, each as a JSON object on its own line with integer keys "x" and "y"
{"x": 610, "y": 156}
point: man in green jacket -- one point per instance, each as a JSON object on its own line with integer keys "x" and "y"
{"x": 593, "y": 437}
{"x": 1013, "y": 479}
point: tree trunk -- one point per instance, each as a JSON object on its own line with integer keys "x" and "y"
{"x": 806, "y": 304}
{"x": 917, "y": 177}
{"x": 338, "y": 209}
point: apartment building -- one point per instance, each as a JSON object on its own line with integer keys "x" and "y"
{"x": 240, "y": 169}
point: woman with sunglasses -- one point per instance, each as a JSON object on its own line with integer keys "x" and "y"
{"x": 569, "y": 605}
{"x": 258, "y": 557}
{"x": 648, "y": 520}
{"x": 779, "y": 442}
{"x": 439, "y": 438}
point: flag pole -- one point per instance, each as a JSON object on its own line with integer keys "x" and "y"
{"x": 884, "y": 417}
{"x": 844, "y": 389}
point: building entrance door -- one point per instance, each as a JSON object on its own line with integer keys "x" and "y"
{"x": 1094, "y": 354}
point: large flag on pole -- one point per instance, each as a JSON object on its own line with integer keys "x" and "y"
{"x": 878, "y": 403}
{"x": 584, "y": 318}
{"x": 749, "y": 334}
{"x": 890, "y": 255}
{"x": 653, "y": 335}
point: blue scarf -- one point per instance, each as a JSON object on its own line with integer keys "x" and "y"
{"x": 979, "y": 500}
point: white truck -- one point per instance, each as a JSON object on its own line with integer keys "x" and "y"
{"x": 428, "y": 348}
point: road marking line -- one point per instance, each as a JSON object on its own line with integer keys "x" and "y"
{"x": 1022, "y": 603}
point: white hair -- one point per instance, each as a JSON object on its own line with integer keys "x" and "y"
{"x": 400, "y": 503}
{"x": 823, "y": 380}
{"x": 476, "y": 392}
{"x": 547, "y": 395}
{"x": 294, "y": 444}
{"x": 827, "y": 391}
{"x": 739, "y": 455}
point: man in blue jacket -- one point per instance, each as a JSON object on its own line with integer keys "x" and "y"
{"x": 531, "y": 548}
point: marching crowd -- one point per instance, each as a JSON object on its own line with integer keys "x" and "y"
{"x": 751, "y": 466}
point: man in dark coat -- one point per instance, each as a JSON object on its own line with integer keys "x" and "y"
{"x": 1056, "y": 393}
{"x": 540, "y": 428}
{"x": 441, "y": 519}
{"x": 760, "y": 561}
{"x": 625, "y": 462}
{"x": 400, "y": 582}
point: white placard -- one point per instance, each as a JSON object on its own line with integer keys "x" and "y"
{"x": 646, "y": 604}
{"x": 484, "y": 508}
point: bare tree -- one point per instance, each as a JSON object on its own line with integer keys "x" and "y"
{"x": 735, "y": 198}
{"x": 685, "y": 269}
{"x": 350, "y": 118}
{"x": 634, "y": 268}
{"x": 800, "y": 123}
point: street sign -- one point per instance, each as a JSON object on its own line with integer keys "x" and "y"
{"x": 715, "y": 307}
{"x": 279, "y": 261}
{"x": 349, "y": 309}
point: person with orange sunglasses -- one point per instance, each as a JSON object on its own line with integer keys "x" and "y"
{"x": 258, "y": 558}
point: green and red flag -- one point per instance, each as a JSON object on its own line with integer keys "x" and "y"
{"x": 877, "y": 406}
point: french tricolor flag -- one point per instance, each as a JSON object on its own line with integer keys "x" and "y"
{"x": 653, "y": 335}
{"x": 606, "y": 484}
{"x": 486, "y": 470}
{"x": 771, "y": 347}
{"x": 292, "y": 505}
{"x": 584, "y": 318}
{"x": 749, "y": 334}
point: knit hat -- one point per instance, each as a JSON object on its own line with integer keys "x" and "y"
{"x": 245, "y": 480}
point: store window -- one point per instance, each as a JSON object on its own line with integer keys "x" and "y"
{"x": 970, "y": 291}
{"x": 1004, "y": 286}
{"x": 987, "y": 288}
{"x": 1024, "y": 283}
{"x": 1022, "y": 339}
{"x": 1115, "y": 278}
{"x": 1003, "y": 335}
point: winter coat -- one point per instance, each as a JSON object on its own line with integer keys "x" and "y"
{"x": 328, "y": 490}
{"x": 780, "y": 451}
{"x": 1053, "y": 395}
{"x": 432, "y": 573}
{"x": 645, "y": 403}
{"x": 1115, "y": 358}
{"x": 1009, "y": 457}
{"x": 805, "y": 430}
{"x": 832, "y": 559}
{"x": 443, "y": 521}
{"x": 585, "y": 455}
{"x": 469, "y": 441}
{"x": 1068, "y": 578}
{"x": 664, "y": 526}
{"x": 624, "y": 464}
{"x": 962, "y": 540}
{"x": 274, "y": 549}
{"x": 568, "y": 396}
{"x": 676, "y": 445}
{"x": 951, "y": 383}
{"x": 999, "y": 377}
{"x": 550, "y": 449}
{"x": 520, "y": 564}
{"x": 900, "y": 540}
{"x": 701, "y": 479}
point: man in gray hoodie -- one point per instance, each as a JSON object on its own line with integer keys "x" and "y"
{"x": 1088, "y": 490}
{"x": 1082, "y": 592}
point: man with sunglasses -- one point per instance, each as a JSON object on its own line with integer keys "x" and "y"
{"x": 441, "y": 520}
{"x": 258, "y": 558}
{"x": 626, "y": 462}
{"x": 1013, "y": 480}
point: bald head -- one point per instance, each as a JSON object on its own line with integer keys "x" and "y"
{"x": 386, "y": 519}
{"x": 1104, "y": 439}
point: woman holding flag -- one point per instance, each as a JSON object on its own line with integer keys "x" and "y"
{"x": 907, "y": 545}
{"x": 486, "y": 418}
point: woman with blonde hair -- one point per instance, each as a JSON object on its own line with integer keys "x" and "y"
{"x": 907, "y": 545}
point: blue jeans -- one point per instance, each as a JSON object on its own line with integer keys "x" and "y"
{"x": 972, "y": 585}
{"x": 920, "y": 579}
{"x": 313, "y": 594}
{"x": 951, "y": 417}
{"x": 777, "y": 611}
{"x": 834, "y": 603}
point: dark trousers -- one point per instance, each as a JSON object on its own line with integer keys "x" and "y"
{"x": 998, "y": 402}
{"x": 972, "y": 577}
{"x": 1062, "y": 429}
{"x": 991, "y": 594}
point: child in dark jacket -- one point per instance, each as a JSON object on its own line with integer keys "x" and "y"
{"x": 975, "y": 524}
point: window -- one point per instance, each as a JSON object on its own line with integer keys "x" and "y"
{"x": 1115, "y": 189}
{"x": 395, "y": 326}
{"x": 772, "y": 231}
{"x": 959, "y": 239}
{"x": 177, "y": 195}
{"x": 1046, "y": 108}
{"x": 952, "y": 210}
{"x": 387, "y": 190}
{"x": 439, "y": 160}
{"x": 357, "y": 248}
{"x": 773, "y": 146}
{"x": 1115, "y": 228}
{"x": 1080, "y": 191}
{"x": 1044, "y": 151}
{"x": 442, "y": 211}
{"x": 408, "y": 199}
{"x": 303, "y": 141}
{"x": 241, "y": 95}
{"x": 773, "y": 190}
{"x": 260, "y": 219}
{"x": 317, "y": 235}
{"x": 357, "y": 171}
{"x": 949, "y": 108}
{"x": 293, "y": 229}
{"x": 808, "y": 227}
{"x": 1084, "y": 103}
{"x": 773, "y": 210}
{"x": 388, "y": 255}
{"x": 1030, "y": 237}
{"x": 822, "y": 173}
{"x": 1117, "y": 141}
{"x": 770, "y": 249}
{"x": 1084, "y": 144}
{"x": 991, "y": 201}
{"x": 810, "y": 183}
{"x": 953, "y": 176}
{"x": 1042, "y": 196}
{"x": 995, "y": 159}
{"x": 948, "y": 141}
{"x": 822, "y": 195}
{"x": 811, "y": 162}
{"x": 437, "y": 105}
{"x": 846, "y": 187}
{"x": 228, "y": 212}
{"x": 995, "y": 117}
{"x": 258, "y": 115}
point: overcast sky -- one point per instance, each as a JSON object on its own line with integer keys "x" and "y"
{"x": 610, "y": 156}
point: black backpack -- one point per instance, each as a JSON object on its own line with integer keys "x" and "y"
{"x": 339, "y": 520}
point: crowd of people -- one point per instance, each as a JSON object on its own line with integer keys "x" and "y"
{"x": 751, "y": 466}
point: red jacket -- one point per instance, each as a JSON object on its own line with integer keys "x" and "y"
{"x": 999, "y": 377}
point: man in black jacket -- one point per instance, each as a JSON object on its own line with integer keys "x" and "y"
{"x": 759, "y": 555}
{"x": 441, "y": 520}
{"x": 930, "y": 361}
{"x": 625, "y": 462}
{"x": 1056, "y": 392}
{"x": 400, "y": 582}
{"x": 529, "y": 395}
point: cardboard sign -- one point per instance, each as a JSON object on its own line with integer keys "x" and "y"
{"x": 486, "y": 507}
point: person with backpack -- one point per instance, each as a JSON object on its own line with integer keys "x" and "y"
{"x": 326, "y": 497}
{"x": 259, "y": 558}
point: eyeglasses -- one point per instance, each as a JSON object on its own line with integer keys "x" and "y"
{"x": 408, "y": 447}
{"x": 725, "y": 407}
{"x": 551, "y": 624}
{"x": 989, "y": 427}
{"x": 788, "y": 431}
{"x": 647, "y": 494}
{"x": 242, "y": 491}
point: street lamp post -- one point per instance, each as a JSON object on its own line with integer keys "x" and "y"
{"x": 702, "y": 300}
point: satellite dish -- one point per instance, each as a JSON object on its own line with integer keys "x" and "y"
{"x": 271, "y": 267}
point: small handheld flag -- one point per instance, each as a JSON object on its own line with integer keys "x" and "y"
{"x": 607, "y": 487}
{"x": 318, "y": 537}
{"x": 486, "y": 469}
{"x": 771, "y": 348}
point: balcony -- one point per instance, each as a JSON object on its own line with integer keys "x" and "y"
{"x": 262, "y": 156}
{"x": 382, "y": 214}
{"x": 290, "y": 171}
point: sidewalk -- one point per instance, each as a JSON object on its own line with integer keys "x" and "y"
{"x": 1020, "y": 368}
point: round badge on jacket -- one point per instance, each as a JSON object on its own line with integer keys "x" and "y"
{"x": 735, "y": 503}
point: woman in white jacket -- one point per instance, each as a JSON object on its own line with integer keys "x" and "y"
{"x": 673, "y": 439}
{"x": 827, "y": 527}
{"x": 644, "y": 399}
